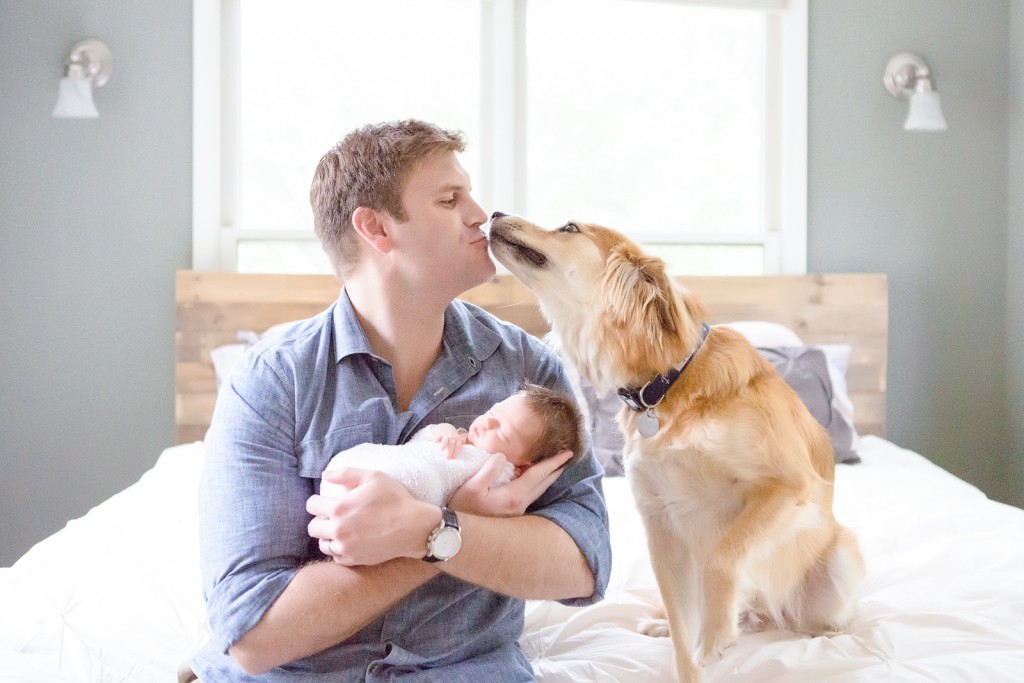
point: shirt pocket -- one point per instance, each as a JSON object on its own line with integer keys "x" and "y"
{"x": 316, "y": 453}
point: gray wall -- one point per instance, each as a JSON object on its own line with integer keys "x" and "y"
{"x": 95, "y": 218}
{"x": 929, "y": 209}
{"x": 1015, "y": 251}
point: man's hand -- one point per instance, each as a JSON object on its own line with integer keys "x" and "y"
{"x": 478, "y": 497}
{"x": 374, "y": 521}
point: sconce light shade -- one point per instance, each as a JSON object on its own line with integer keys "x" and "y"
{"x": 925, "y": 112}
{"x": 907, "y": 76}
{"x": 88, "y": 66}
{"x": 74, "y": 99}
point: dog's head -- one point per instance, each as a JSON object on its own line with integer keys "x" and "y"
{"x": 615, "y": 310}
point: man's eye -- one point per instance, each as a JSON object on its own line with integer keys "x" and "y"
{"x": 448, "y": 202}
{"x": 570, "y": 227}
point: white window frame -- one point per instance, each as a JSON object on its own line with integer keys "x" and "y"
{"x": 216, "y": 155}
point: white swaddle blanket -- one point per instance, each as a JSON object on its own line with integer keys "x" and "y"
{"x": 419, "y": 464}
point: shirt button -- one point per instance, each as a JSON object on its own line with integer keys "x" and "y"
{"x": 473, "y": 361}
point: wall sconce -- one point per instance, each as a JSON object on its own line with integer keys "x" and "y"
{"x": 88, "y": 66}
{"x": 907, "y": 76}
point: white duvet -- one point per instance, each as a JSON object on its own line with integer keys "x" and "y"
{"x": 943, "y": 601}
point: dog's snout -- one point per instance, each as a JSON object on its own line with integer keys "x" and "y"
{"x": 497, "y": 214}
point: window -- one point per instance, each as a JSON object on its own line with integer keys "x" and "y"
{"x": 681, "y": 123}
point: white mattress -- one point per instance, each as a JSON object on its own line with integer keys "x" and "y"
{"x": 115, "y": 596}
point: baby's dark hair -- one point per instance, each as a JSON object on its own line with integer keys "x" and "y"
{"x": 561, "y": 422}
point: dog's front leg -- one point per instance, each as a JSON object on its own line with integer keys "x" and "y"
{"x": 676, "y": 574}
{"x": 765, "y": 507}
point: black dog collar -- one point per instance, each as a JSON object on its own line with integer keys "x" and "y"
{"x": 650, "y": 394}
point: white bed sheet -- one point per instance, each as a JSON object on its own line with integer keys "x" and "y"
{"x": 943, "y": 601}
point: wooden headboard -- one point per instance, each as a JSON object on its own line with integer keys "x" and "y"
{"x": 829, "y": 308}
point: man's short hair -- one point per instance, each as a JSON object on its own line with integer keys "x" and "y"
{"x": 369, "y": 168}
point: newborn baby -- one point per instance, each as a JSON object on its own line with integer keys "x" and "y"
{"x": 531, "y": 425}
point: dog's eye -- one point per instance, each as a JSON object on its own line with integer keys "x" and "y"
{"x": 570, "y": 227}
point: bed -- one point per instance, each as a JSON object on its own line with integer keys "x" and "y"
{"x": 943, "y": 599}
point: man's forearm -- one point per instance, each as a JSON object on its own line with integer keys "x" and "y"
{"x": 528, "y": 557}
{"x": 323, "y": 605}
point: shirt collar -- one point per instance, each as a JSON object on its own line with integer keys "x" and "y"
{"x": 349, "y": 338}
{"x": 464, "y": 334}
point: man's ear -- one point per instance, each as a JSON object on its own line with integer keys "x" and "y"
{"x": 373, "y": 227}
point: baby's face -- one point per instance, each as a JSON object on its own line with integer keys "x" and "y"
{"x": 509, "y": 427}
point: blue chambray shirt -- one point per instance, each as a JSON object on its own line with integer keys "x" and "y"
{"x": 296, "y": 400}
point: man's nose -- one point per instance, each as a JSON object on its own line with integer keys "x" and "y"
{"x": 476, "y": 216}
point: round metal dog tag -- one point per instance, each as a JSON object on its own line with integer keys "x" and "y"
{"x": 647, "y": 424}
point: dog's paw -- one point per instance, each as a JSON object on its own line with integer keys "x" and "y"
{"x": 711, "y": 650}
{"x": 689, "y": 673}
{"x": 753, "y": 622}
{"x": 654, "y": 627}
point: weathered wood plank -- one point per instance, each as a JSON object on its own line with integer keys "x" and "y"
{"x": 824, "y": 308}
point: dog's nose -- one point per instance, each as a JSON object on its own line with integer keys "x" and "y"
{"x": 497, "y": 214}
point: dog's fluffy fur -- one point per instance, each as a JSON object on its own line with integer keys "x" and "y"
{"x": 735, "y": 488}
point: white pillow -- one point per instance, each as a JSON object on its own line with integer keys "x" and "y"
{"x": 224, "y": 357}
{"x": 764, "y": 334}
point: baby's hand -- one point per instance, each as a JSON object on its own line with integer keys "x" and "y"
{"x": 449, "y": 438}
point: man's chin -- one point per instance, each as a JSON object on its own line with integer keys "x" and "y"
{"x": 469, "y": 277}
{"x": 492, "y": 269}
{"x": 487, "y": 271}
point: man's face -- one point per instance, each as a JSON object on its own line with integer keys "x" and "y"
{"x": 441, "y": 245}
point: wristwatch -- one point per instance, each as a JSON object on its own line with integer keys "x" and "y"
{"x": 446, "y": 539}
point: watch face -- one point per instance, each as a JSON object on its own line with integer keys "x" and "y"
{"x": 446, "y": 543}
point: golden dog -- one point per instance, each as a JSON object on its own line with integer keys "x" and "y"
{"x": 732, "y": 475}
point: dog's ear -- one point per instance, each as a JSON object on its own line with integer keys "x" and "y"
{"x": 638, "y": 294}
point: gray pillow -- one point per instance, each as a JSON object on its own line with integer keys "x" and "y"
{"x": 805, "y": 369}
{"x": 603, "y": 427}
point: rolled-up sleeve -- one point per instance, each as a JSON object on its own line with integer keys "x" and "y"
{"x": 575, "y": 502}
{"x": 251, "y": 500}
{"x": 580, "y": 510}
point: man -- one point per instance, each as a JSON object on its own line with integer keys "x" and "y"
{"x": 376, "y": 585}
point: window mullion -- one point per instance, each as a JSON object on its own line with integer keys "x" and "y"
{"x": 792, "y": 132}
{"x": 207, "y": 45}
{"x": 771, "y": 183}
{"x": 772, "y": 253}
{"x": 215, "y": 142}
{"x": 231, "y": 135}
{"x": 503, "y": 109}
{"x": 228, "y": 249}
